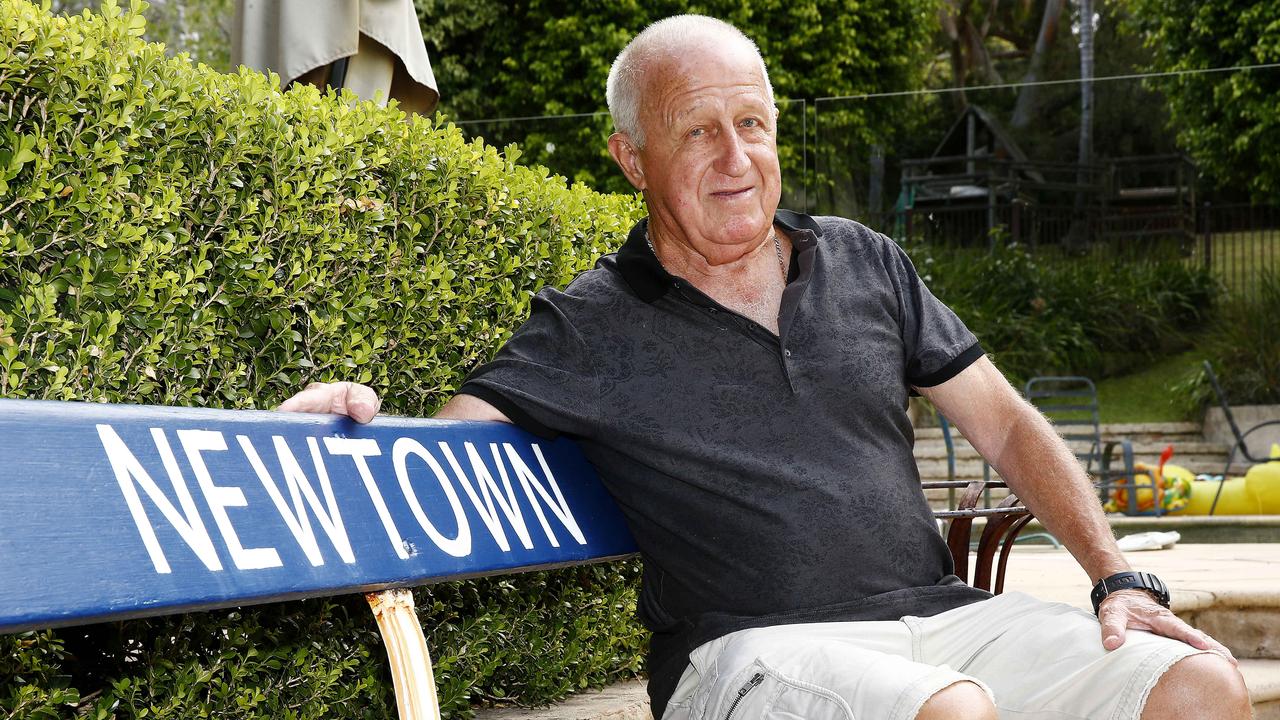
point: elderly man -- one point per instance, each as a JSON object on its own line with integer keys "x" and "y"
{"x": 739, "y": 376}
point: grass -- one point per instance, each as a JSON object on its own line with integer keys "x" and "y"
{"x": 1144, "y": 396}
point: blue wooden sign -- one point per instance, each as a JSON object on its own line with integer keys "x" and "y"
{"x": 115, "y": 511}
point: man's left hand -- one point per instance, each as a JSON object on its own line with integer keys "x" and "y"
{"x": 1137, "y": 610}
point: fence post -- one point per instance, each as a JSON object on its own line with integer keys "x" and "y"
{"x": 1208, "y": 236}
{"x": 1015, "y": 220}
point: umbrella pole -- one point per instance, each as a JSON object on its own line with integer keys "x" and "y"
{"x": 407, "y": 652}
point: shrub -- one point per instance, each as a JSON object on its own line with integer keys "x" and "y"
{"x": 1085, "y": 316}
{"x": 1243, "y": 344}
{"x": 175, "y": 236}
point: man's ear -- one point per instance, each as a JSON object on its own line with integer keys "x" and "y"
{"x": 624, "y": 153}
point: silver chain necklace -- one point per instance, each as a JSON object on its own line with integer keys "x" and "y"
{"x": 773, "y": 234}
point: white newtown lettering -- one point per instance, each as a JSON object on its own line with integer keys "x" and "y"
{"x": 558, "y": 506}
{"x": 188, "y": 523}
{"x": 303, "y": 496}
{"x": 490, "y": 491}
{"x": 360, "y": 449}
{"x": 296, "y": 518}
{"x": 221, "y": 497}
{"x": 459, "y": 546}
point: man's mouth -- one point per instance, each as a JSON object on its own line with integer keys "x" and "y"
{"x": 733, "y": 193}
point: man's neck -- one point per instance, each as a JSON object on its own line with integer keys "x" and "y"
{"x": 750, "y": 284}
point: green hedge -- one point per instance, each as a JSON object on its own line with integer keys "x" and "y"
{"x": 1093, "y": 316}
{"x": 171, "y": 235}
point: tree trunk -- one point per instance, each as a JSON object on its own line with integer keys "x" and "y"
{"x": 1026, "y": 106}
{"x": 1086, "y": 82}
{"x": 1081, "y": 231}
{"x": 949, "y": 14}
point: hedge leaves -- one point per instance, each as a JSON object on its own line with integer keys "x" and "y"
{"x": 171, "y": 235}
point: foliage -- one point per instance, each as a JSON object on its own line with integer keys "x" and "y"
{"x": 1089, "y": 316}
{"x": 173, "y": 236}
{"x": 1229, "y": 122}
{"x": 199, "y": 28}
{"x": 498, "y": 59}
{"x": 1243, "y": 345}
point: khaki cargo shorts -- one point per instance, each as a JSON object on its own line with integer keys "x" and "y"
{"x": 1035, "y": 659}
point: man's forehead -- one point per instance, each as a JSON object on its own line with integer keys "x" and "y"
{"x": 695, "y": 99}
{"x": 727, "y": 70}
{"x": 709, "y": 52}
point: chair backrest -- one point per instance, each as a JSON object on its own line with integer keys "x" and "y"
{"x": 115, "y": 511}
{"x": 1241, "y": 443}
{"x": 1070, "y": 402}
{"x": 1222, "y": 401}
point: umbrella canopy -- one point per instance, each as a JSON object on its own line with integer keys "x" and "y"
{"x": 373, "y": 47}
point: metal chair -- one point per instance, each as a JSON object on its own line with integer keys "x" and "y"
{"x": 1004, "y": 522}
{"x": 1071, "y": 404}
{"x": 1241, "y": 444}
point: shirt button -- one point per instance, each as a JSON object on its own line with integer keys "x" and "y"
{"x": 787, "y": 353}
{"x": 713, "y": 310}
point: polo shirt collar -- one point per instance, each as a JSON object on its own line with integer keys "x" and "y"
{"x": 650, "y": 281}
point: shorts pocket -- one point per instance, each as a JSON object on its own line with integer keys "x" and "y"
{"x": 762, "y": 693}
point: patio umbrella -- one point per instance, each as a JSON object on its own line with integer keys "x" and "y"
{"x": 372, "y": 47}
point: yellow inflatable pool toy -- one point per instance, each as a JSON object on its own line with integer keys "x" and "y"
{"x": 1257, "y": 493}
{"x": 1168, "y": 485}
{"x": 1263, "y": 482}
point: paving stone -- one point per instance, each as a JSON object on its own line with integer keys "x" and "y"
{"x": 1262, "y": 677}
{"x": 626, "y": 700}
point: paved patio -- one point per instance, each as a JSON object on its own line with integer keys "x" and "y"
{"x": 1197, "y": 575}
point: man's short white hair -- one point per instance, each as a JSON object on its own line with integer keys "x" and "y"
{"x": 665, "y": 38}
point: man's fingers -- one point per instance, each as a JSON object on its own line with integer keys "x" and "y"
{"x": 1118, "y": 613}
{"x": 359, "y": 402}
{"x": 317, "y": 398}
{"x": 1172, "y": 626}
{"x": 1114, "y": 621}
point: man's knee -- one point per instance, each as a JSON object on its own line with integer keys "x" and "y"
{"x": 958, "y": 701}
{"x": 1200, "y": 686}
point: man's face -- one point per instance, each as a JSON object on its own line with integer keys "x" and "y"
{"x": 710, "y": 161}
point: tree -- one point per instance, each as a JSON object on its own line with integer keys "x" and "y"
{"x": 1228, "y": 121}
{"x": 1025, "y": 108}
{"x": 551, "y": 57}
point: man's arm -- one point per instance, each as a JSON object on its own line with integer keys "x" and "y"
{"x": 361, "y": 403}
{"x": 1039, "y": 467}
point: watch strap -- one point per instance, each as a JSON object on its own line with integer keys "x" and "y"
{"x": 1129, "y": 580}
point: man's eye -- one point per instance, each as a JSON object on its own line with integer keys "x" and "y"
{"x": 751, "y": 122}
{"x": 697, "y": 132}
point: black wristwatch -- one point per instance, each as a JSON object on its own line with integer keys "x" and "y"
{"x": 1129, "y": 581}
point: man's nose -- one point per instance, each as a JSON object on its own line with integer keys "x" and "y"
{"x": 731, "y": 158}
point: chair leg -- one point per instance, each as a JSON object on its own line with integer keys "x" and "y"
{"x": 1004, "y": 552}
{"x": 407, "y": 653}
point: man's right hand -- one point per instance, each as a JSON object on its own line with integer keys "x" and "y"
{"x": 356, "y": 401}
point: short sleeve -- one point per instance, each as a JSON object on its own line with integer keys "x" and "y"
{"x": 543, "y": 378}
{"x": 938, "y": 344}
